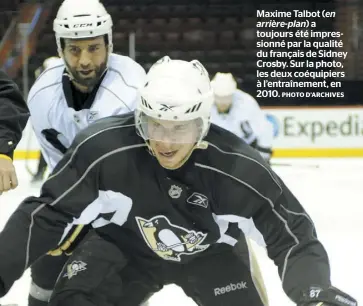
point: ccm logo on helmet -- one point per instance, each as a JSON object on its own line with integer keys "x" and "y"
{"x": 82, "y": 25}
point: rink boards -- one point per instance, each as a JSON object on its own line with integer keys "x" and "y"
{"x": 317, "y": 132}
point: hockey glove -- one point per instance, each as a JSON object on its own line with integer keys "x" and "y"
{"x": 317, "y": 296}
{"x": 266, "y": 153}
{"x": 266, "y": 156}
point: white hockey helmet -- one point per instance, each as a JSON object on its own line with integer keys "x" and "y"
{"x": 224, "y": 84}
{"x": 176, "y": 90}
{"x": 82, "y": 19}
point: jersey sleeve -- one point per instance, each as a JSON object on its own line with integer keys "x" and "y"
{"x": 38, "y": 223}
{"x": 254, "y": 191}
{"x": 291, "y": 240}
{"x": 39, "y": 121}
{"x": 51, "y": 155}
{"x": 13, "y": 115}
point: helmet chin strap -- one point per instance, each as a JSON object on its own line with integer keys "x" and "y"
{"x": 202, "y": 145}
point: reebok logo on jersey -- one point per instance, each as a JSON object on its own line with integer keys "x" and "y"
{"x": 231, "y": 287}
{"x": 92, "y": 115}
{"x": 198, "y": 199}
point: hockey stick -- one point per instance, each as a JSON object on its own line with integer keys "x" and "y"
{"x": 169, "y": 247}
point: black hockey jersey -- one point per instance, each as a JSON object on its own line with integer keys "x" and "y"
{"x": 158, "y": 214}
{"x": 14, "y": 115}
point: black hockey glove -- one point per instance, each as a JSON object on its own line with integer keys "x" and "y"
{"x": 317, "y": 296}
{"x": 266, "y": 153}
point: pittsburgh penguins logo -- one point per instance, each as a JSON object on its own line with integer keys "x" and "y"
{"x": 170, "y": 241}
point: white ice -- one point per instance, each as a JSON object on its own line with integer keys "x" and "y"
{"x": 332, "y": 194}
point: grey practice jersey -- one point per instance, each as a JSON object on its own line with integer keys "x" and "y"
{"x": 157, "y": 215}
{"x": 55, "y": 117}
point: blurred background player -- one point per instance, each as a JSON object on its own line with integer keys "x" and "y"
{"x": 87, "y": 83}
{"x": 42, "y": 164}
{"x": 13, "y": 118}
{"x": 238, "y": 112}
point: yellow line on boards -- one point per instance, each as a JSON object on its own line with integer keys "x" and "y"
{"x": 318, "y": 152}
{"x": 278, "y": 153}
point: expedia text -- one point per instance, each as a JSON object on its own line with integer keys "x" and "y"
{"x": 351, "y": 126}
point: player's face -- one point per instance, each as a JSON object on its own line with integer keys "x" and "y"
{"x": 172, "y": 141}
{"x": 223, "y": 103}
{"x": 86, "y": 60}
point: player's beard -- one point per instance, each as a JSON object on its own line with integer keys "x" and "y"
{"x": 88, "y": 82}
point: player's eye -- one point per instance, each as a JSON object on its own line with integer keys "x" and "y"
{"x": 74, "y": 50}
{"x": 93, "y": 48}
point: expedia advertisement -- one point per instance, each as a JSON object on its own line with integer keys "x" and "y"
{"x": 317, "y": 128}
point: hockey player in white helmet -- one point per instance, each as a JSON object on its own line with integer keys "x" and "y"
{"x": 175, "y": 189}
{"x": 238, "y": 112}
{"x": 88, "y": 82}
